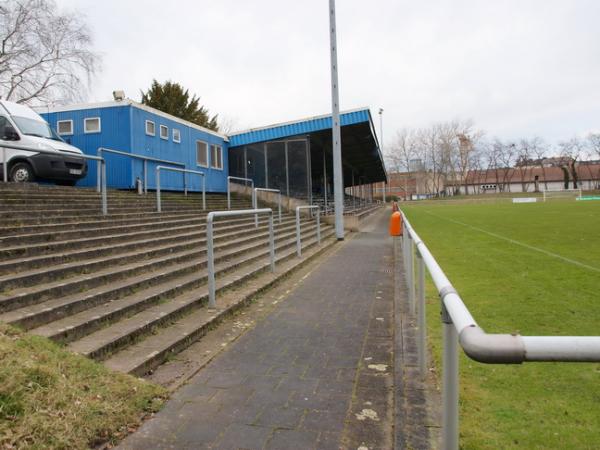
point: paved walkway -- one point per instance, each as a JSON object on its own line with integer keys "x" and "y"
{"x": 316, "y": 373}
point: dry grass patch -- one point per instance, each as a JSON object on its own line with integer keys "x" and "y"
{"x": 51, "y": 398}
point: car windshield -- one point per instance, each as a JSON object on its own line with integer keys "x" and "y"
{"x": 32, "y": 127}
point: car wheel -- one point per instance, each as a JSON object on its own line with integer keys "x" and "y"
{"x": 21, "y": 172}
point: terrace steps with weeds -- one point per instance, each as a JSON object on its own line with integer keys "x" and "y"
{"x": 130, "y": 288}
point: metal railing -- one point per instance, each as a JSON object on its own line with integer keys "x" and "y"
{"x": 184, "y": 171}
{"x": 229, "y": 190}
{"x": 101, "y": 167}
{"x": 210, "y": 244}
{"x": 298, "y": 238}
{"x": 145, "y": 159}
{"x": 460, "y": 328}
{"x": 255, "y": 202}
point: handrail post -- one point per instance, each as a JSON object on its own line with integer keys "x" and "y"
{"x": 4, "y": 168}
{"x": 411, "y": 275}
{"x": 318, "y": 226}
{"x": 298, "y": 243}
{"x": 210, "y": 261}
{"x": 228, "y": 194}
{"x": 422, "y": 344}
{"x": 102, "y": 163}
{"x": 271, "y": 242}
{"x": 449, "y": 385}
{"x": 279, "y": 207}
{"x": 158, "y": 206}
{"x": 99, "y": 172}
{"x": 204, "y": 192}
{"x": 145, "y": 177}
{"x": 254, "y": 206}
{"x": 185, "y": 184}
{"x": 210, "y": 253}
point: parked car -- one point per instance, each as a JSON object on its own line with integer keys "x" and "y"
{"x": 23, "y": 127}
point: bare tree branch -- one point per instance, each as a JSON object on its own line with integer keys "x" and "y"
{"x": 45, "y": 54}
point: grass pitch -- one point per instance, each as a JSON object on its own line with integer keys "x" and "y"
{"x": 534, "y": 269}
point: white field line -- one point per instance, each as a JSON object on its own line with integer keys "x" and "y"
{"x": 522, "y": 244}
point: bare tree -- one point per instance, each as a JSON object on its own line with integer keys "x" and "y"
{"x": 45, "y": 55}
{"x": 402, "y": 153}
{"x": 570, "y": 152}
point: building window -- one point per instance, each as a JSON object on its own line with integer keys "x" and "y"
{"x": 91, "y": 125}
{"x": 150, "y": 129}
{"x": 164, "y": 132}
{"x": 201, "y": 154}
{"x": 216, "y": 157}
{"x": 64, "y": 127}
{"x": 176, "y": 135}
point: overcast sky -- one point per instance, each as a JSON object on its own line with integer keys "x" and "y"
{"x": 516, "y": 67}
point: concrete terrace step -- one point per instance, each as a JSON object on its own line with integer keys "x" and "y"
{"x": 23, "y": 297}
{"x": 87, "y": 314}
{"x": 30, "y": 271}
{"x": 144, "y": 355}
{"x": 106, "y": 341}
{"x": 9, "y": 231}
{"x": 88, "y": 321}
{"x": 44, "y": 248}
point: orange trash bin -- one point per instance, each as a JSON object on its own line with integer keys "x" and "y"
{"x": 396, "y": 224}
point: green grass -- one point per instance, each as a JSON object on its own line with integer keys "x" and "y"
{"x": 53, "y": 399}
{"x": 512, "y": 288}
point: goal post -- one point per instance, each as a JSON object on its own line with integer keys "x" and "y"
{"x": 561, "y": 193}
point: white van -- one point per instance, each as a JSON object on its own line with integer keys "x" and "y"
{"x": 22, "y": 126}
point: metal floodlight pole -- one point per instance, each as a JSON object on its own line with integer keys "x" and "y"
{"x": 338, "y": 182}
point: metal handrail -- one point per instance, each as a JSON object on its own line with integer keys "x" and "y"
{"x": 298, "y": 239}
{"x": 229, "y": 190}
{"x": 135, "y": 156}
{"x": 255, "y": 202}
{"x": 461, "y": 328}
{"x": 210, "y": 245}
{"x": 184, "y": 171}
{"x": 101, "y": 167}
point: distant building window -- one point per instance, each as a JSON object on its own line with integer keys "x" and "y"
{"x": 64, "y": 127}
{"x": 91, "y": 125}
{"x": 164, "y": 132}
{"x": 150, "y": 128}
{"x": 201, "y": 154}
{"x": 216, "y": 157}
{"x": 176, "y": 135}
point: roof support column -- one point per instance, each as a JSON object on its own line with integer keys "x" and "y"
{"x": 338, "y": 184}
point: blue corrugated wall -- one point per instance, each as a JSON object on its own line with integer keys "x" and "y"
{"x": 123, "y": 128}
{"x": 114, "y": 133}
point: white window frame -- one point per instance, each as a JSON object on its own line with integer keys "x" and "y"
{"x": 178, "y": 140}
{"x": 85, "y": 122}
{"x": 207, "y": 149}
{"x": 58, "y": 122}
{"x": 147, "y": 122}
{"x": 160, "y": 132}
{"x": 219, "y": 151}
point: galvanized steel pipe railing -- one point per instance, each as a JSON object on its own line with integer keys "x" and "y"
{"x": 101, "y": 168}
{"x": 184, "y": 171}
{"x": 298, "y": 238}
{"x": 229, "y": 190}
{"x": 255, "y": 202}
{"x": 461, "y": 328}
{"x": 143, "y": 158}
{"x": 210, "y": 244}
